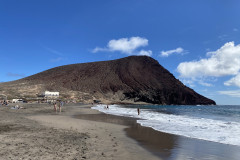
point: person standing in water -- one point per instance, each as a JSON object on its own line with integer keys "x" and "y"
{"x": 138, "y": 110}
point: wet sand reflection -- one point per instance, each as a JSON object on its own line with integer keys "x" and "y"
{"x": 168, "y": 146}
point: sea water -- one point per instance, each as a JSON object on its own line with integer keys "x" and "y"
{"x": 220, "y": 123}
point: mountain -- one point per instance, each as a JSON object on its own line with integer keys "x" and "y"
{"x": 126, "y": 80}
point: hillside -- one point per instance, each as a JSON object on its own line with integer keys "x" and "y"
{"x": 131, "y": 79}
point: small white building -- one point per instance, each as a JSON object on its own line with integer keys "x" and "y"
{"x": 17, "y": 100}
{"x": 50, "y": 94}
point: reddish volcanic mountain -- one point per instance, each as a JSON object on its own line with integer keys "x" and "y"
{"x": 130, "y": 79}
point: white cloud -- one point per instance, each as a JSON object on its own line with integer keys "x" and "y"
{"x": 202, "y": 81}
{"x": 235, "y": 81}
{"x": 98, "y": 49}
{"x": 232, "y": 93}
{"x": 225, "y": 61}
{"x": 169, "y": 52}
{"x": 128, "y": 46}
{"x": 188, "y": 82}
{"x": 205, "y": 84}
{"x": 145, "y": 53}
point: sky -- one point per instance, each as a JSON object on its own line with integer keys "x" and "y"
{"x": 198, "y": 41}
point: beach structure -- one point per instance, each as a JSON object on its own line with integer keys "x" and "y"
{"x": 48, "y": 94}
{"x": 17, "y": 100}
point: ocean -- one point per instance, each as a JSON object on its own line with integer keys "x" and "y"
{"x": 220, "y": 123}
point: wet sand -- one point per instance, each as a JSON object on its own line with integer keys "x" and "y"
{"x": 168, "y": 146}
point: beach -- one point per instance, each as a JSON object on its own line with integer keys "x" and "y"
{"x": 37, "y": 132}
{"x": 79, "y": 132}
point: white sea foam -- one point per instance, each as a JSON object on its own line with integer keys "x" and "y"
{"x": 200, "y": 128}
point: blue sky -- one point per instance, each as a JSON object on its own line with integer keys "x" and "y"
{"x": 196, "y": 40}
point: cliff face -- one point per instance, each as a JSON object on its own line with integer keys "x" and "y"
{"x": 134, "y": 78}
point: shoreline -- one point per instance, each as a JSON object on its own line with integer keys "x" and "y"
{"x": 169, "y": 146}
{"x": 80, "y": 132}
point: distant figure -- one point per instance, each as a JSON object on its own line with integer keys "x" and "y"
{"x": 55, "y": 106}
{"x": 138, "y": 110}
{"x": 61, "y": 103}
{"x": 107, "y": 107}
{"x": 60, "y": 106}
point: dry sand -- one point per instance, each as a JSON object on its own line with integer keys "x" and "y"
{"x": 37, "y": 132}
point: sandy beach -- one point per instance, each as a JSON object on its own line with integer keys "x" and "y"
{"x": 37, "y": 132}
{"x": 79, "y": 132}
